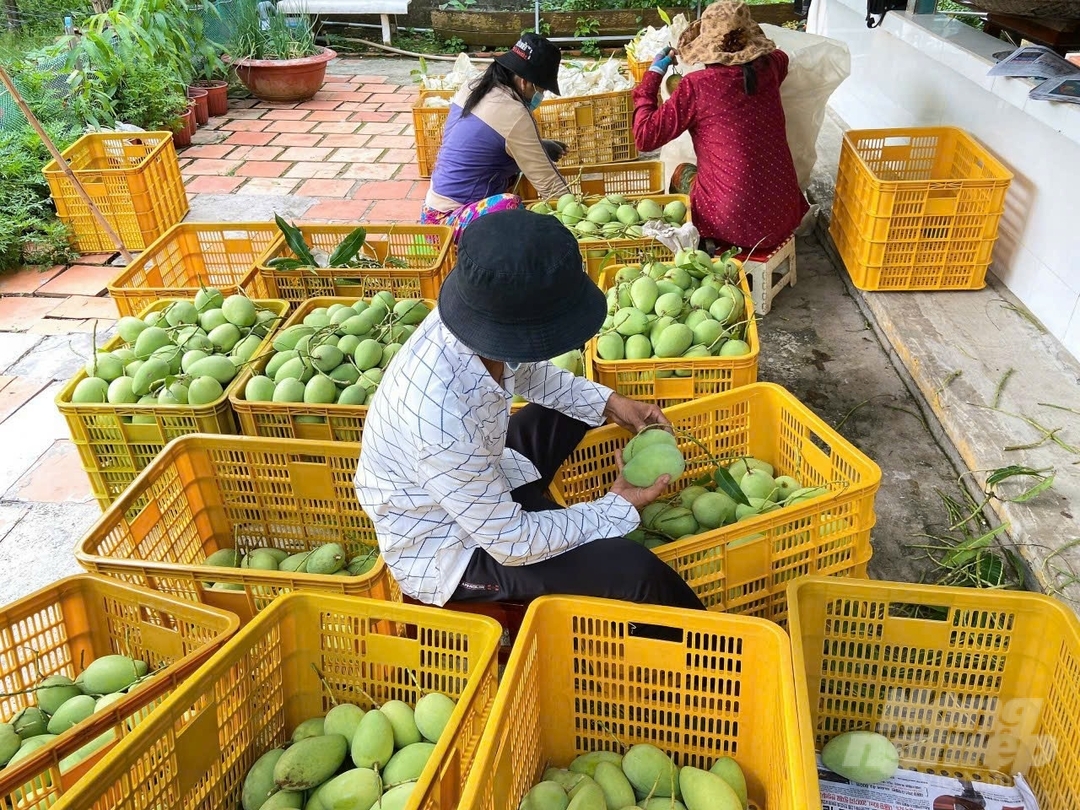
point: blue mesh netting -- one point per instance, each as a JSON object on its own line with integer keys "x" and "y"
{"x": 11, "y": 116}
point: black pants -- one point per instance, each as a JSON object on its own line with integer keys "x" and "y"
{"x": 613, "y": 568}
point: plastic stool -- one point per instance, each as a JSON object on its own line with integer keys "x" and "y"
{"x": 509, "y": 615}
{"x": 761, "y": 267}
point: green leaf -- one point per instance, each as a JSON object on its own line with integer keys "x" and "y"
{"x": 285, "y": 263}
{"x": 1042, "y": 486}
{"x": 295, "y": 240}
{"x": 663, "y": 15}
{"x": 968, "y": 550}
{"x": 347, "y": 250}
{"x": 726, "y": 484}
{"x": 1013, "y": 471}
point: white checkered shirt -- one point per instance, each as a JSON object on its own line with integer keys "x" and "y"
{"x": 435, "y": 474}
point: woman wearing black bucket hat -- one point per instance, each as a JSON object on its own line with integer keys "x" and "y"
{"x": 455, "y": 486}
{"x": 490, "y": 137}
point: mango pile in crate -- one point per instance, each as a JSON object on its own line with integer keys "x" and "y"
{"x": 739, "y": 490}
{"x": 693, "y": 308}
{"x": 350, "y": 758}
{"x": 63, "y": 703}
{"x": 611, "y": 217}
{"x": 644, "y": 778}
{"x": 330, "y": 559}
{"x": 183, "y": 354}
{"x": 336, "y": 354}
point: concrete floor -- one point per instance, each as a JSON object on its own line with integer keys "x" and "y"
{"x": 817, "y": 344}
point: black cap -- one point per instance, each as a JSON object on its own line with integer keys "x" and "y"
{"x": 534, "y": 59}
{"x": 519, "y": 292}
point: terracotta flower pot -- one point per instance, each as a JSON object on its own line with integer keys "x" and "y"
{"x": 202, "y": 108}
{"x": 217, "y": 95}
{"x": 182, "y": 136}
{"x": 283, "y": 79}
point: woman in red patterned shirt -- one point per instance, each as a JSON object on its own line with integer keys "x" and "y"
{"x": 744, "y": 190}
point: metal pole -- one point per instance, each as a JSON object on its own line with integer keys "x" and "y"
{"x": 63, "y": 164}
{"x": 536, "y": 8}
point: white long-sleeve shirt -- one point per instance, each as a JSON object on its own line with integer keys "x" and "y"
{"x": 435, "y": 474}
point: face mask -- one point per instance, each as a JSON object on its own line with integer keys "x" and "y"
{"x": 538, "y": 97}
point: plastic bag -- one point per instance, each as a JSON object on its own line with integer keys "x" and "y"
{"x": 683, "y": 237}
{"x": 816, "y": 67}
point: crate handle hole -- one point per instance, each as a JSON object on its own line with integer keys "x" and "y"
{"x": 654, "y": 632}
{"x": 914, "y": 610}
{"x": 820, "y": 444}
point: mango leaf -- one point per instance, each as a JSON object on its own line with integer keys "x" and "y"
{"x": 726, "y": 484}
{"x": 295, "y": 240}
{"x": 663, "y": 15}
{"x": 968, "y": 550}
{"x": 1013, "y": 471}
{"x": 285, "y": 263}
{"x": 1042, "y": 486}
{"x": 347, "y": 250}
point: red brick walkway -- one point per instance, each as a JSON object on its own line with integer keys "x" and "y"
{"x": 351, "y": 147}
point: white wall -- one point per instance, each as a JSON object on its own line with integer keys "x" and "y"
{"x": 931, "y": 71}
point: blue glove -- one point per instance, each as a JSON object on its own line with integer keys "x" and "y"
{"x": 663, "y": 61}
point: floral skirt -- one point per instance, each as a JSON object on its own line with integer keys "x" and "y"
{"x": 459, "y": 219}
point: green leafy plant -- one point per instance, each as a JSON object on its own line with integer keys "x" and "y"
{"x": 151, "y": 98}
{"x": 29, "y": 230}
{"x": 455, "y": 45}
{"x": 162, "y": 32}
{"x": 457, "y": 5}
{"x": 278, "y": 36}
{"x": 545, "y": 29}
{"x": 586, "y": 27}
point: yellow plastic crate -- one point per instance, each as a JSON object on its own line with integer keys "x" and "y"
{"x": 578, "y": 676}
{"x": 298, "y": 420}
{"x": 195, "y": 750}
{"x": 204, "y": 493}
{"x": 59, "y": 630}
{"x": 597, "y": 129}
{"x": 641, "y": 380}
{"x": 133, "y": 179}
{"x": 428, "y": 124}
{"x": 827, "y": 535}
{"x": 917, "y": 209}
{"x": 193, "y": 255}
{"x": 427, "y": 250}
{"x": 113, "y": 449}
{"x": 638, "y": 68}
{"x": 637, "y": 177}
{"x": 977, "y": 684}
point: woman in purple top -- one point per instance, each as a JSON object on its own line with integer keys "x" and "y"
{"x": 490, "y": 138}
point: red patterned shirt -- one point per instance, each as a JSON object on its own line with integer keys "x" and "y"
{"x": 746, "y": 191}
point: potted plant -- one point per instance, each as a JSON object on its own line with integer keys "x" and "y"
{"x": 208, "y": 61}
{"x": 152, "y": 98}
{"x": 217, "y": 92}
{"x": 275, "y": 55}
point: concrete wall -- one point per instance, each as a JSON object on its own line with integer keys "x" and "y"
{"x": 931, "y": 71}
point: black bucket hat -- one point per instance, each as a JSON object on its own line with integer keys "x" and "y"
{"x": 519, "y": 293}
{"x": 534, "y": 59}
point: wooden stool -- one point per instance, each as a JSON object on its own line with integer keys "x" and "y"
{"x": 760, "y": 267}
{"x": 509, "y": 615}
